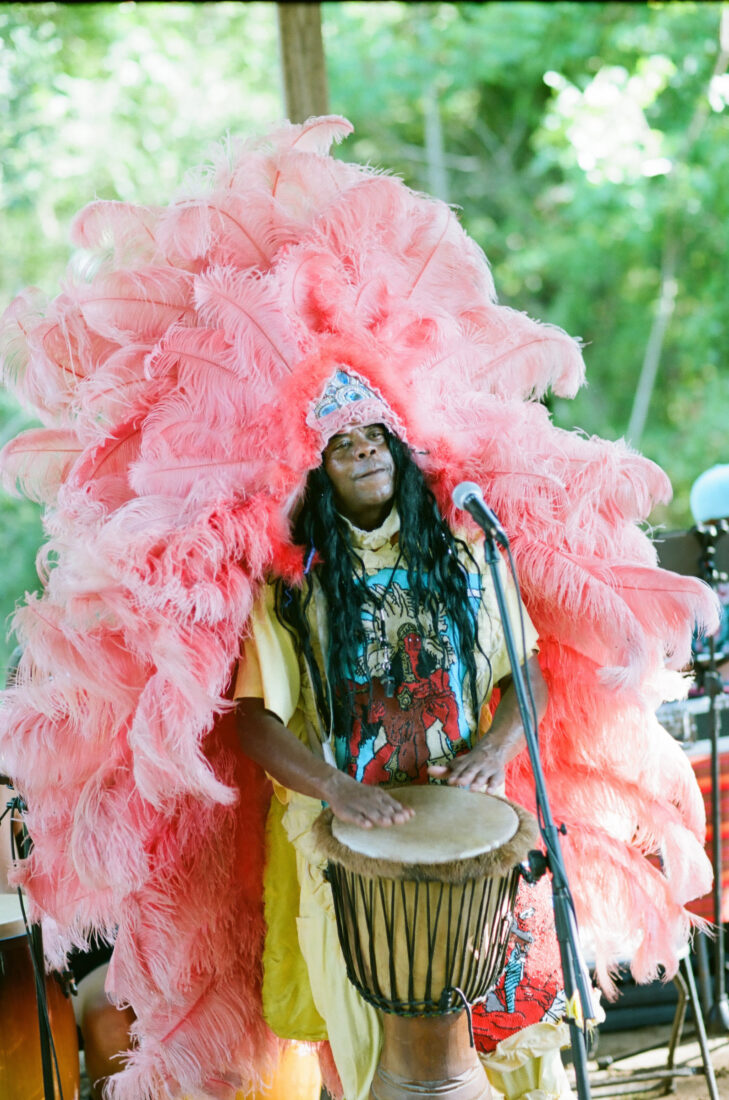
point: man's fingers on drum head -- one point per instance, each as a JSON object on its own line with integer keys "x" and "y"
{"x": 475, "y": 778}
{"x": 383, "y": 819}
{"x": 483, "y": 782}
{"x": 396, "y": 814}
{"x": 373, "y": 806}
{"x": 459, "y": 772}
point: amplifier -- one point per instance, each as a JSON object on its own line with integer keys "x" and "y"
{"x": 685, "y": 552}
{"x": 688, "y": 719}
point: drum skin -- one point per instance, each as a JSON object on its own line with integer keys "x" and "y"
{"x": 21, "y": 1071}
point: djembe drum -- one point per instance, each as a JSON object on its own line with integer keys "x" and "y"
{"x": 424, "y": 913}
{"x": 21, "y": 1070}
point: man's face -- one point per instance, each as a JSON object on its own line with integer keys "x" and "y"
{"x": 362, "y": 472}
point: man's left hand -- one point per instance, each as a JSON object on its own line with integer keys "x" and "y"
{"x": 481, "y": 769}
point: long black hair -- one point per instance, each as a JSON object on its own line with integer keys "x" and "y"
{"x": 437, "y": 579}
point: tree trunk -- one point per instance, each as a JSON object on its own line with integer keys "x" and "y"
{"x": 302, "y": 61}
{"x": 652, "y": 357}
{"x": 434, "y": 144}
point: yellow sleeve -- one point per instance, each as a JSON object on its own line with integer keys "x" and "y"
{"x": 500, "y": 666}
{"x": 268, "y": 668}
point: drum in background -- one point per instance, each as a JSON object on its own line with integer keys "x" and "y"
{"x": 21, "y": 1071}
{"x": 104, "y": 1027}
{"x": 424, "y": 914}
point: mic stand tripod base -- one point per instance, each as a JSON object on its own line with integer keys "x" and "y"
{"x": 428, "y": 1056}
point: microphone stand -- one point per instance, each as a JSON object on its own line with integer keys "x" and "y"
{"x": 574, "y": 971}
{"x": 717, "y": 1021}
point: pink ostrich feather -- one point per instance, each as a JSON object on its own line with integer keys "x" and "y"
{"x": 174, "y": 382}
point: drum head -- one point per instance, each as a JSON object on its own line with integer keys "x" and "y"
{"x": 11, "y": 918}
{"x": 450, "y": 823}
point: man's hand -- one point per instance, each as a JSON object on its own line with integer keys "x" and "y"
{"x": 265, "y": 739}
{"x": 363, "y": 805}
{"x": 481, "y": 769}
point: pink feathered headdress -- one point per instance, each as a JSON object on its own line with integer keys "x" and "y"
{"x": 176, "y": 387}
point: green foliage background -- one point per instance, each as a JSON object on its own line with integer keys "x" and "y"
{"x": 584, "y": 143}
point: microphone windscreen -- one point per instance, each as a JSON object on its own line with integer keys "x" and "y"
{"x": 463, "y": 491}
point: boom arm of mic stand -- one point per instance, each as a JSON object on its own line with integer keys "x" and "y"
{"x": 577, "y": 985}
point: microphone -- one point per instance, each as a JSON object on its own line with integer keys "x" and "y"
{"x": 469, "y": 497}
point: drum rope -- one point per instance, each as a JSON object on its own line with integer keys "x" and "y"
{"x": 365, "y": 910}
{"x": 466, "y": 1004}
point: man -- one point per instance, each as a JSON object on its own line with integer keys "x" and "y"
{"x": 360, "y": 467}
{"x": 383, "y": 723}
{"x": 185, "y": 385}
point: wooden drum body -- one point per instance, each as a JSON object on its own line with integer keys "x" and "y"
{"x": 21, "y": 1072}
{"x": 424, "y": 914}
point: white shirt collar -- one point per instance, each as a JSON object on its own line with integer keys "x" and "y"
{"x": 375, "y": 540}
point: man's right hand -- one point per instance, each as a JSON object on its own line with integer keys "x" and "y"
{"x": 265, "y": 739}
{"x": 363, "y": 805}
